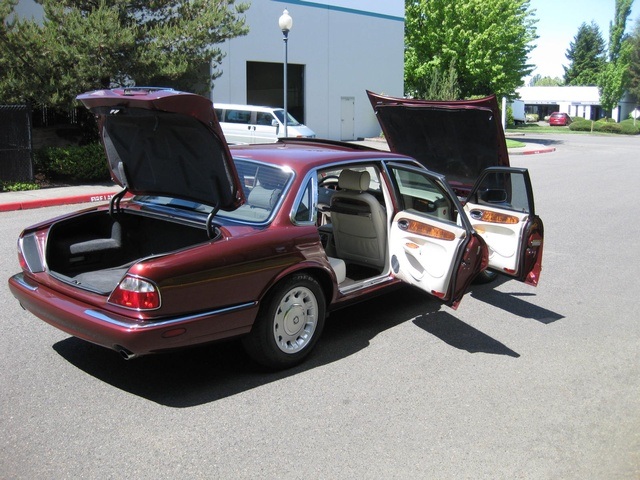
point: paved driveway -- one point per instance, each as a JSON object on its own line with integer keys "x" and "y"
{"x": 517, "y": 383}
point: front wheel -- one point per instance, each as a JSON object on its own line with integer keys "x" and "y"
{"x": 289, "y": 323}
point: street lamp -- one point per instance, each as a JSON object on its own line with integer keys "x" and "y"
{"x": 285, "y": 22}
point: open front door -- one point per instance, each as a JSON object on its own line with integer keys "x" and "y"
{"x": 429, "y": 247}
{"x": 501, "y": 209}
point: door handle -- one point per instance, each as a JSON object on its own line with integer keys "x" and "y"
{"x": 476, "y": 214}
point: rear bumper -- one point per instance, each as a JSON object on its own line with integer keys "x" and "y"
{"x": 125, "y": 334}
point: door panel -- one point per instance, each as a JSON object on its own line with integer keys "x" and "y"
{"x": 429, "y": 249}
{"x": 501, "y": 210}
{"x": 424, "y": 251}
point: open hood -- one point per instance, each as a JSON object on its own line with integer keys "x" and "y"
{"x": 165, "y": 142}
{"x": 458, "y": 139}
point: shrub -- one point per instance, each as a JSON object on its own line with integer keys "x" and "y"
{"x": 510, "y": 120}
{"x": 580, "y": 125}
{"x": 532, "y": 117}
{"x": 608, "y": 127}
{"x": 17, "y": 186}
{"x": 628, "y": 128}
{"x": 78, "y": 163}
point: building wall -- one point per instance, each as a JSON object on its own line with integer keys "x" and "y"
{"x": 347, "y": 47}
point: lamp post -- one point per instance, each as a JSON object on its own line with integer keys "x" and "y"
{"x": 285, "y": 22}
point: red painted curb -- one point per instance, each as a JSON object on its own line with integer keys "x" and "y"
{"x": 533, "y": 152}
{"x": 51, "y": 202}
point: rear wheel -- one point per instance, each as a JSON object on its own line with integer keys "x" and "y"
{"x": 289, "y": 323}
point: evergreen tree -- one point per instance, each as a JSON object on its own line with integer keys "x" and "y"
{"x": 540, "y": 81}
{"x": 489, "y": 41}
{"x": 83, "y": 45}
{"x": 587, "y": 55}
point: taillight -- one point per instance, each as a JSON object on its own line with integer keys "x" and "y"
{"x": 30, "y": 253}
{"x": 136, "y": 293}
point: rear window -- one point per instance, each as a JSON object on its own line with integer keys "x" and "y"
{"x": 264, "y": 188}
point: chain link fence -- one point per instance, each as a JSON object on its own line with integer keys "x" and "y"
{"x": 16, "y": 164}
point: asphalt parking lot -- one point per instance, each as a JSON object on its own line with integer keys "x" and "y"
{"x": 519, "y": 382}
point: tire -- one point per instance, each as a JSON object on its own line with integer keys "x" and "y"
{"x": 485, "y": 276}
{"x": 289, "y": 323}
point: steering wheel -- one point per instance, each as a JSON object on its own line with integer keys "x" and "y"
{"x": 330, "y": 182}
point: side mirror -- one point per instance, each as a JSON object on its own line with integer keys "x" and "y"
{"x": 275, "y": 123}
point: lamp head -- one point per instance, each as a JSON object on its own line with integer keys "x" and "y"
{"x": 285, "y": 21}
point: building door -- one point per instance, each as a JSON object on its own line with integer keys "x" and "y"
{"x": 347, "y": 118}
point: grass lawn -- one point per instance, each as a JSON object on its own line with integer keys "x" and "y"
{"x": 535, "y": 128}
{"x": 514, "y": 143}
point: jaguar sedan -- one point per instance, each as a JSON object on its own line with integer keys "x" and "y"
{"x": 262, "y": 241}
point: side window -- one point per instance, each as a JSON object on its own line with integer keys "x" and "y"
{"x": 218, "y": 112}
{"x": 420, "y": 194}
{"x": 303, "y": 210}
{"x": 503, "y": 190}
{"x": 237, "y": 116}
{"x": 264, "y": 118}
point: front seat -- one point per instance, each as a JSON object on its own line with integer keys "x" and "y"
{"x": 359, "y": 221}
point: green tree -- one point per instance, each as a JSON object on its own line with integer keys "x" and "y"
{"x": 634, "y": 61}
{"x": 587, "y": 56}
{"x": 89, "y": 44}
{"x": 615, "y": 78}
{"x": 488, "y": 40}
{"x": 617, "y": 28}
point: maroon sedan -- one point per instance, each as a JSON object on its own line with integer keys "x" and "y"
{"x": 260, "y": 241}
{"x": 559, "y": 119}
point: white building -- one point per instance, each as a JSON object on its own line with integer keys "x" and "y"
{"x": 576, "y": 101}
{"x": 337, "y": 49}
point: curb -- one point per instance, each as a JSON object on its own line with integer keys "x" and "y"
{"x": 51, "y": 202}
{"x": 514, "y": 151}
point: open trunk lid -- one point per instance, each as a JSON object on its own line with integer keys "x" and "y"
{"x": 165, "y": 142}
{"x": 458, "y": 138}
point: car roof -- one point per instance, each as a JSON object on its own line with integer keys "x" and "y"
{"x": 236, "y": 106}
{"x": 305, "y": 154}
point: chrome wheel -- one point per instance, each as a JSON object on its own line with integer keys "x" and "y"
{"x": 295, "y": 319}
{"x": 289, "y": 323}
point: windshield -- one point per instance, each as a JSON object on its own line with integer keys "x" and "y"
{"x": 263, "y": 187}
{"x": 292, "y": 122}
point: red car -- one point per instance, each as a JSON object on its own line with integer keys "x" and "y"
{"x": 559, "y": 119}
{"x": 262, "y": 241}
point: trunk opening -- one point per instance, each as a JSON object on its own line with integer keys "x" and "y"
{"x": 95, "y": 250}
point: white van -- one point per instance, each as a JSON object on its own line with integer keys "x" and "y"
{"x": 253, "y": 124}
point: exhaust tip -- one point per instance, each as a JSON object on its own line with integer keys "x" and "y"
{"x": 126, "y": 354}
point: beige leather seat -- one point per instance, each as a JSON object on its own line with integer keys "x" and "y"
{"x": 359, "y": 221}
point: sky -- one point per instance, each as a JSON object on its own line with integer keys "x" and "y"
{"x": 558, "y": 23}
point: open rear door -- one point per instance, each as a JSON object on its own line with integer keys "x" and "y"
{"x": 501, "y": 209}
{"x": 429, "y": 247}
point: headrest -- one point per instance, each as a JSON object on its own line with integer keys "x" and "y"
{"x": 352, "y": 180}
{"x": 263, "y": 197}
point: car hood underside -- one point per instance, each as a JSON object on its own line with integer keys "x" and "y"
{"x": 458, "y": 139}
